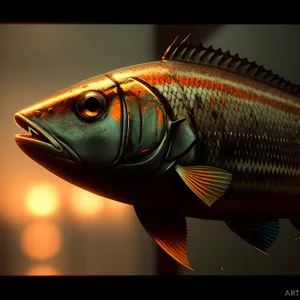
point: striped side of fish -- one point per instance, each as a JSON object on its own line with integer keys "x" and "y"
{"x": 244, "y": 126}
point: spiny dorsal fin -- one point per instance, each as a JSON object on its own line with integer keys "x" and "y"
{"x": 188, "y": 52}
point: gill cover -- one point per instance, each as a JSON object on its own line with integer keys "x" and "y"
{"x": 146, "y": 118}
{"x": 147, "y": 123}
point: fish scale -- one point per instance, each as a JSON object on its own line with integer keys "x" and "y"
{"x": 225, "y": 130}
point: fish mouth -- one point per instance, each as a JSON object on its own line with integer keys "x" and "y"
{"x": 37, "y": 135}
{"x": 40, "y": 144}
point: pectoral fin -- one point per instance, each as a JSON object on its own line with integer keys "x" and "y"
{"x": 208, "y": 183}
{"x": 261, "y": 234}
{"x": 168, "y": 231}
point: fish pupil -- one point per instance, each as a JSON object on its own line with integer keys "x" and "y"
{"x": 92, "y": 104}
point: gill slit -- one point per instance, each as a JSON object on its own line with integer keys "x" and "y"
{"x": 124, "y": 124}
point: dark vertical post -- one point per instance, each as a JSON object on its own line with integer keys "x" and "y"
{"x": 164, "y": 35}
{"x": 4, "y": 259}
{"x": 74, "y": 237}
{"x": 165, "y": 265}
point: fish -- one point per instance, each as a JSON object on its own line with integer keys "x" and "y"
{"x": 199, "y": 133}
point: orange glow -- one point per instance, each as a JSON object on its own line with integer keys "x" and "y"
{"x": 42, "y": 199}
{"x": 116, "y": 205}
{"x": 86, "y": 203}
{"x": 42, "y": 270}
{"x": 41, "y": 240}
{"x": 117, "y": 209}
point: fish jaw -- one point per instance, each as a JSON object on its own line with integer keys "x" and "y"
{"x": 40, "y": 146}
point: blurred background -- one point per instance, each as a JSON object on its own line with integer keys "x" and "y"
{"x": 48, "y": 226}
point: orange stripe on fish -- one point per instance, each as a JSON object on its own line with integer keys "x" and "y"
{"x": 188, "y": 79}
{"x": 159, "y": 78}
{"x": 189, "y": 70}
{"x": 242, "y": 94}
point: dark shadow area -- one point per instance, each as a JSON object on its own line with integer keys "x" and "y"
{"x": 165, "y": 265}
{"x": 164, "y": 36}
{"x": 3, "y": 255}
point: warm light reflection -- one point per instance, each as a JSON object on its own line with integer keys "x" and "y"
{"x": 117, "y": 206}
{"x": 42, "y": 270}
{"x": 119, "y": 214}
{"x": 42, "y": 199}
{"x": 41, "y": 240}
{"x": 86, "y": 203}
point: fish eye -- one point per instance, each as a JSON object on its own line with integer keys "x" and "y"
{"x": 91, "y": 105}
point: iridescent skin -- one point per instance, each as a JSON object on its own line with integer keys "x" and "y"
{"x": 238, "y": 128}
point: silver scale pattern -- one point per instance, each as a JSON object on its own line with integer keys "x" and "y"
{"x": 250, "y": 139}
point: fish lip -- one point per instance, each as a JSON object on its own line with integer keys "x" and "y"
{"x": 22, "y": 122}
{"x": 59, "y": 146}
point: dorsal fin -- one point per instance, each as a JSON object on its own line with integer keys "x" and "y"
{"x": 198, "y": 54}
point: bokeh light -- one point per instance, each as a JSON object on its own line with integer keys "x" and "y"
{"x": 86, "y": 203}
{"x": 42, "y": 199}
{"x": 42, "y": 270}
{"x": 41, "y": 240}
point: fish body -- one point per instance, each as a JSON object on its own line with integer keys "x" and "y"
{"x": 200, "y": 133}
{"x": 243, "y": 126}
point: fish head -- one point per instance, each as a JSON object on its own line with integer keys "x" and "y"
{"x": 76, "y": 133}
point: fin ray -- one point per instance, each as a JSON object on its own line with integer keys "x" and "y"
{"x": 208, "y": 183}
{"x": 168, "y": 231}
{"x": 261, "y": 235}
